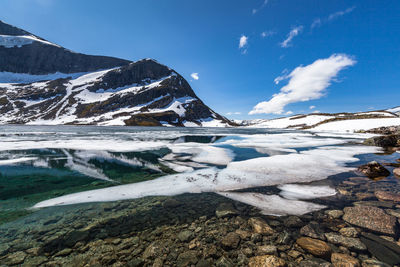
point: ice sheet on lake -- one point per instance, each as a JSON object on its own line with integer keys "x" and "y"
{"x": 291, "y": 158}
{"x": 296, "y": 191}
{"x": 15, "y": 161}
{"x": 273, "y": 204}
{"x": 307, "y": 166}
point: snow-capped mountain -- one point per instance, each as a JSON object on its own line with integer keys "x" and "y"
{"x": 395, "y": 110}
{"x": 44, "y": 83}
{"x": 348, "y": 122}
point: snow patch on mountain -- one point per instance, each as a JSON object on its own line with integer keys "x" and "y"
{"x": 10, "y": 41}
{"x": 357, "y": 125}
{"x": 395, "y": 110}
{"x": 7, "y": 79}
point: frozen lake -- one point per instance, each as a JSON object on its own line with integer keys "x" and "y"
{"x": 43, "y": 166}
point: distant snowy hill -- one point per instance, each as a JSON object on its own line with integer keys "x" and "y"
{"x": 395, "y": 110}
{"x": 43, "y": 83}
{"x": 343, "y": 122}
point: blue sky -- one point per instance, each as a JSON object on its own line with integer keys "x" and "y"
{"x": 332, "y": 56}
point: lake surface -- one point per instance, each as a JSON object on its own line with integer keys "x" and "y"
{"x": 39, "y": 163}
{"x": 64, "y": 189}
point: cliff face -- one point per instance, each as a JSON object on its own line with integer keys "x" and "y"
{"x": 43, "y": 83}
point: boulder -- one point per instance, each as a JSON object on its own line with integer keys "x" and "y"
{"x": 154, "y": 250}
{"x": 390, "y": 196}
{"x": 231, "y": 240}
{"x": 313, "y": 230}
{"x": 349, "y": 232}
{"x": 314, "y": 246}
{"x": 395, "y": 213}
{"x": 266, "y": 261}
{"x": 315, "y": 263}
{"x": 224, "y": 262}
{"x": 267, "y": 250}
{"x": 16, "y": 258}
{"x": 187, "y": 258}
{"x": 185, "y": 236}
{"x": 225, "y": 210}
{"x": 349, "y": 242}
{"x": 390, "y": 140}
{"x": 171, "y": 203}
{"x": 293, "y": 222}
{"x": 343, "y": 260}
{"x": 373, "y": 170}
{"x": 381, "y": 252}
{"x": 371, "y": 218}
{"x": 380, "y": 204}
{"x": 374, "y": 263}
{"x": 335, "y": 214}
{"x": 396, "y": 172}
{"x": 384, "y": 242}
{"x": 260, "y": 226}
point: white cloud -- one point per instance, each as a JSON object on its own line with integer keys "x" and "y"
{"x": 233, "y": 113}
{"x": 316, "y": 111}
{"x": 255, "y": 10}
{"x": 318, "y": 22}
{"x": 305, "y": 83}
{"x": 289, "y": 112}
{"x": 312, "y": 107}
{"x": 265, "y": 34}
{"x": 195, "y": 75}
{"x": 278, "y": 79}
{"x": 294, "y": 32}
{"x": 341, "y": 13}
{"x": 243, "y": 41}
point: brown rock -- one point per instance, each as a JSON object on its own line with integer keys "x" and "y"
{"x": 335, "y": 214}
{"x": 313, "y": 230}
{"x": 349, "y": 242}
{"x": 225, "y": 210}
{"x": 314, "y": 246}
{"x": 243, "y": 234}
{"x": 396, "y": 172}
{"x": 384, "y": 195}
{"x": 231, "y": 240}
{"x": 365, "y": 196}
{"x": 260, "y": 226}
{"x": 374, "y": 263}
{"x": 343, "y": 260}
{"x": 267, "y": 249}
{"x": 16, "y": 258}
{"x": 349, "y": 232}
{"x": 373, "y": 170}
{"x": 372, "y": 218}
{"x": 266, "y": 261}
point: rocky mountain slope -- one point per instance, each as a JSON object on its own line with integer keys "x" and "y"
{"x": 44, "y": 83}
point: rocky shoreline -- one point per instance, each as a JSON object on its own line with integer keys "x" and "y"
{"x": 360, "y": 228}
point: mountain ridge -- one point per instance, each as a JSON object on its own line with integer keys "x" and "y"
{"x": 44, "y": 83}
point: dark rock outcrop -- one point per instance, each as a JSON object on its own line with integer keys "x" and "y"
{"x": 373, "y": 170}
{"x": 384, "y": 141}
